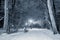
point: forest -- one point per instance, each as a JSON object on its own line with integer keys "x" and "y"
{"x": 19, "y": 13}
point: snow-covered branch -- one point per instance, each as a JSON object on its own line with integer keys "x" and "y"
{"x": 1, "y": 18}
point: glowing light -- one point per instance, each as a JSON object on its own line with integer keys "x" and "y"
{"x": 30, "y": 21}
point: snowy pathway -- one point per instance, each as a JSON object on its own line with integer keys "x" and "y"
{"x": 35, "y": 34}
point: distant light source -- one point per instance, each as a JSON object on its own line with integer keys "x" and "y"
{"x": 30, "y": 20}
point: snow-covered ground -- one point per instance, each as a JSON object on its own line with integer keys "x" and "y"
{"x": 32, "y": 34}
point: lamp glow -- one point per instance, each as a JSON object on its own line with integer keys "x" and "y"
{"x": 30, "y": 21}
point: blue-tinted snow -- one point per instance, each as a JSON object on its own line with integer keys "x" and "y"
{"x": 32, "y": 34}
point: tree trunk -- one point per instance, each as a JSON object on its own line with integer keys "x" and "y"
{"x": 50, "y": 8}
{"x": 6, "y": 14}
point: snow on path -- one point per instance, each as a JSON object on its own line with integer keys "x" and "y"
{"x": 34, "y": 34}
